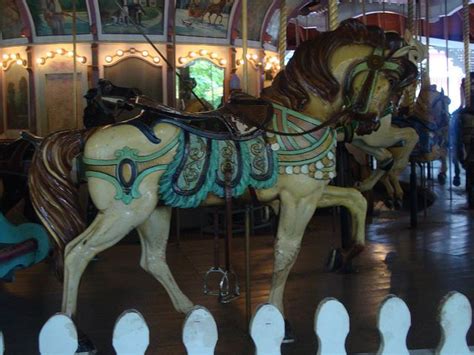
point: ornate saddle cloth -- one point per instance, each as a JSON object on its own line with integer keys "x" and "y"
{"x": 200, "y": 164}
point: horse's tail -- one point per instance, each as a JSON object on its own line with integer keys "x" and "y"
{"x": 54, "y": 194}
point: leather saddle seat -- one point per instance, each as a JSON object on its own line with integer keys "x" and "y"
{"x": 239, "y": 119}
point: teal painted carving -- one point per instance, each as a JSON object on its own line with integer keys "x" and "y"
{"x": 128, "y": 176}
{"x": 21, "y": 246}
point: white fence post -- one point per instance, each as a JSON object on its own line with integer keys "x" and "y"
{"x": 331, "y": 325}
{"x": 131, "y": 335}
{"x": 58, "y": 336}
{"x": 455, "y": 318}
{"x": 267, "y": 329}
{"x": 200, "y": 332}
{"x": 393, "y": 322}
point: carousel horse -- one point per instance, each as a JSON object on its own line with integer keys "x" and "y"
{"x": 282, "y": 146}
{"x": 462, "y": 140}
{"x": 380, "y": 141}
{"x": 27, "y": 244}
{"x": 430, "y": 119}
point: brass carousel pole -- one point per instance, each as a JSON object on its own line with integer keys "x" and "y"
{"x": 467, "y": 52}
{"x": 282, "y": 35}
{"x": 74, "y": 65}
{"x": 245, "y": 81}
{"x": 245, "y": 87}
{"x": 333, "y": 15}
{"x": 364, "y": 13}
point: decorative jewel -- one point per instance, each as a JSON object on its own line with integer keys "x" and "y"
{"x": 296, "y": 169}
{"x": 332, "y": 175}
{"x": 318, "y": 175}
{"x": 312, "y": 168}
{"x": 319, "y": 165}
{"x": 331, "y": 155}
{"x": 304, "y": 169}
{"x": 289, "y": 170}
{"x": 275, "y": 146}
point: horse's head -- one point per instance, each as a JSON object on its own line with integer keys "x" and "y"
{"x": 103, "y": 102}
{"x": 432, "y": 105}
{"x": 352, "y": 71}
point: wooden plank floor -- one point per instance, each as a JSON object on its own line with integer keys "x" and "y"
{"x": 418, "y": 265}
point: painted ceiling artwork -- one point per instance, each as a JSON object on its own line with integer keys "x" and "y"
{"x": 54, "y": 17}
{"x": 258, "y": 9}
{"x": 203, "y": 18}
{"x": 11, "y": 22}
{"x": 148, "y": 15}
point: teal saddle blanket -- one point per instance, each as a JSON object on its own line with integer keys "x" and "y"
{"x": 200, "y": 166}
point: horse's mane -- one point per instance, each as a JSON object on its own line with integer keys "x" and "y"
{"x": 309, "y": 68}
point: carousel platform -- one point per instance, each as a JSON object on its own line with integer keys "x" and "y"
{"x": 420, "y": 266}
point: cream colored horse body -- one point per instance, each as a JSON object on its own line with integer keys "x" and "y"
{"x": 380, "y": 144}
{"x": 298, "y": 192}
{"x": 299, "y": 195}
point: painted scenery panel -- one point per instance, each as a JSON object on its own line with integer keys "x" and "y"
{"x": 257, "y": 10}
{"x": 203, "y": 18}
{"x": 10, "y": 20}
{"x": 59, "y": 101}
{"x": 54, "y": 17}
{"x": 148, "y": 14}
{"x": 16, "y": 94}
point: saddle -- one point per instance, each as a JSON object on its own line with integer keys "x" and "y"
{"x": 241, "y": 118}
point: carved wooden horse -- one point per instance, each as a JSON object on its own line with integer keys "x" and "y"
{"x": 390, "y": 145}
{"x": 140, "y": 168}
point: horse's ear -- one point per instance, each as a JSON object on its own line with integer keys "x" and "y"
{"x": 407, "y": 36}
{"x": 401, "y": 52}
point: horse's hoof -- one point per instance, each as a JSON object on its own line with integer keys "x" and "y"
{"x": 289, "y": 334}
{"x": 85, "y": 344}
{"x": 398, "y": 204}
{"x": 388, "y": 203}
{"x": 457, "y": 181}
{"x": 442, "y": 178}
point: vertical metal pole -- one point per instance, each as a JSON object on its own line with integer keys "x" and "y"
{"x": 248, "y": 299}
{"x": 74, "y": 65}
{"x": 282, "y": 36}
{"x": 413, "y": 195}
{"x": 333, "y": 15}
{"x": 427, "y": 35}
{"x": 364, "y": 13}
{"x": 450, "y": 154}
{"x": 245, "y": 77}
{"x": 467, "y": 51}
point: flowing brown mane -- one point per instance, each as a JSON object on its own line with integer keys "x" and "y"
{"x": 309, "y": 68}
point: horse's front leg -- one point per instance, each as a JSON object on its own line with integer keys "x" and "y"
{"x": 298, "y": 203}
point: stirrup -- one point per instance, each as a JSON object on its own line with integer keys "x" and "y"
{"x": 226, "y": 292}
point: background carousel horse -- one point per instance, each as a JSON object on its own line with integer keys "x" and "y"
{"x": 26, "y": 244}
{"x": 137, "y": 170}
{"x": 379, "y": 140}
{"x": 430, "y": 119}
{"x": 462, "y": 141}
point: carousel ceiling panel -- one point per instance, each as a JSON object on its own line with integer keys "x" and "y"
{"x": 54, "y": 17}
{"x": 316, "y": 16}
{"x": 148, "y": 15}
{"x": 203, "y": 18}
{"x": 11, "y": 22}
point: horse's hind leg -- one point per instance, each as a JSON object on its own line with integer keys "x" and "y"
{"x": 154, "y": 237}
{"x": 105, "y": 231}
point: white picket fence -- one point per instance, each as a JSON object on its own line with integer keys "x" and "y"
{"x": 331, "y": 325}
